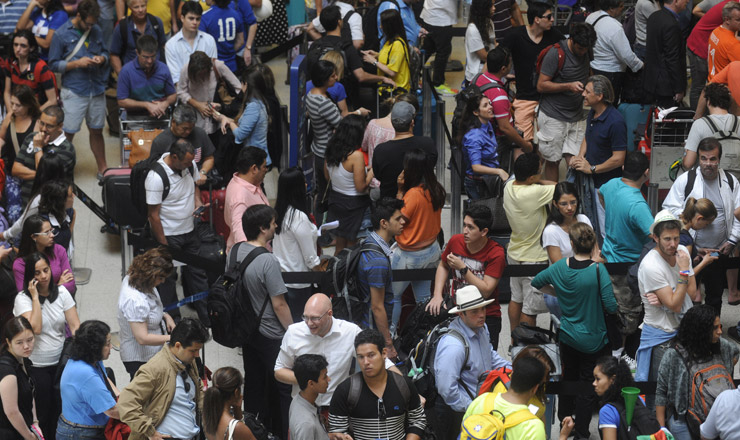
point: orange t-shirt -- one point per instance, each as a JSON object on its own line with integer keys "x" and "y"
{"x": 724, "y": 47}
{"x": 730, "y": 76}
{"x": 423, "y": 223}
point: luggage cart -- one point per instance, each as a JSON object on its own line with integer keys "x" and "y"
{"x": 128, "y": 125}
{"x": 665, "y": 139}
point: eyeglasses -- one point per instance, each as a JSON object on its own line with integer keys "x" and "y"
{"x": 49, "y": 233}
{"x": 184, "y": 376}
{"x": 314, "y": 318}
{"x": 548, "y": 16}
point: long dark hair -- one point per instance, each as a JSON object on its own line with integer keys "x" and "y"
{"x": 27, "y": 97}
{"x": 417, "y": 171}
{"x": 53, "y": 6}
{"x": 29, "y": 273}
{"x": 226, "y": 380}
{"x": 392, "y": 26}
{"x": 33, "y": 45}
{"x": 695, "y": 332}
{"x": 346, "y": 139}
{"x": 200, "y": 67}
{"x": 13, "y": 328}
{"x": 620, "y": 371}
{"x": 50, "y": 167}
{"x": 54, "y": 198}
{"x": 31, "y": 225}
{"x": 256, "y": 85}
{"x": 468, "y": 119}
{"x": 480, "y": 16}
{"x": 89, "y": 341}
{"x": 561, "y": 189}
{"x": 291, "y": 191}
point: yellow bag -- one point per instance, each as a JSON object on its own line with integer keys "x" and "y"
{"x": 490, "y": 424}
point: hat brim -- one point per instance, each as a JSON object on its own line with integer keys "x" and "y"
{"x": 458, "y": 309}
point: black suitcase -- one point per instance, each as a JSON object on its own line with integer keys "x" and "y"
{"x": 117, "y": 198}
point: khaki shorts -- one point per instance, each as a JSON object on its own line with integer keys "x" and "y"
{"x": 557, "y": 138}
{"x": 522, "y": 292}
{"x": 524, "y": 115}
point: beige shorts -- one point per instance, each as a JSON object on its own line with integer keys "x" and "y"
{"x": 557, "y": 138}
{"x": 524, "y": 116}
{"x": 522, "y": 292}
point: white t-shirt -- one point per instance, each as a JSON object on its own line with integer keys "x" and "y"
{"x": 554, "y": 235}
{"x": 137, "y": 306}
{"x": 439, "y": 12}
{"x": 473, "y": 42}
{"x": 355, "y": 21}
{"x": 176, "y": 212}
{"x": 48, "y": 346}
{"x": 654, "y": 274}
{"x": 295, "y": 245}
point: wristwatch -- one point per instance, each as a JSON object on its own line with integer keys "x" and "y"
{"x": 464, "y": 270}
{"x": 593, "y": 169}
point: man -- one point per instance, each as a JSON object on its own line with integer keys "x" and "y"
{"x": 473, "y": 260}
{"x": 729, "y": 77}
{"x": 723, "y": 44}
{"x": 387, "y": 407}
{"x": 666, "y": 272}
{"x": 145, "y": 88}
{"x": 525, "y": 44}
{"x": 457, "y": 381}
{"x": 171, "y": 219}
{"x": 412, "y": 27}
{"x": 498, "y": 65}
{"x": 507, "y": 15}
{"x": 346, "y": 12}
{"x": 525, "y": 199}
{"x": 664, "y": 75}
{"x": 244, "y": 190}
{"x": 166, "y": 395}
{"x": 128, "y": 30}
{"x": 244, "y": 8}
{"x": 697, "y": 45}
{"x": 12, "y": 10}
{"x": 311, "y": 375}
{"x": 438, "y": 17}
{"x": 388, "y": 156}
{"x": 263, "y": 395}
{"x": 722, "y": 421}
{"x": 722, "y": 235}
{"x": 182, "y": 126}
{"x": 49, "y": 137}
{"x": 561, "y": 118}
{"x": 716, "y": 97}
{"x": 221, "y": 16}
{"x": 179, "y": 48}
{"x": 85, "y": 72}
{"x": 374, "y": 277}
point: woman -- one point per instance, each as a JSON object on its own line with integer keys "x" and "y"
{"x": 610, "y": 376}
{"x": 697, "y": 215}
{"x": 252, "y": 128}
{"x": 345, "y": 169}
{"x": 198, "y": 84}
{"x": 294, "y": 244}
{"x": 393, "y": 59}
{"x": 20, "y": 122}
{"x": 584, "y": 291}
{"x": 337, "y": 93}
{"x": 417, "y": 246}
{"x": 16, "y": 386}
{"x": 88, "y": 396}
{"x": 43, "y": 17}
{"x": 477, "y": 137}
{"x": 222, "y": 407}
{"x": 55, "y": 206}
{"x": 698, "y": 340}
{"x": 563, "y": 215}
{"x": 24, "y": 67}
{"x": 48, "y": 320}
{"x": 38, "y": 236}
{"x": 144, "y": 326}
{"x": 479, "y": 38}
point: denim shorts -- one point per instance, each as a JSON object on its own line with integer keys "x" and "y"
{"x": 67, "y": 430}
{"x": 76, "y": 107}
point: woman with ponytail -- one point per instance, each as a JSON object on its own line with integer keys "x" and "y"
{"x": 584, "y": 291}
{"x": 17, "y": 408}
{"x": 222, "y": 407}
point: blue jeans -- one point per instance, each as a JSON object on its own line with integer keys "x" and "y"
{"x": 67, "y": 430}
{"x": 679, "y": 428}
{"x": 422, "y": 259}
{"x": 475, "y": 189}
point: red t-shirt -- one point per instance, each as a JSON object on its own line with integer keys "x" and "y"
{"x": 499, "y": 99}
{"x": 698, "y": 41}
{"x": 488, "y": 261}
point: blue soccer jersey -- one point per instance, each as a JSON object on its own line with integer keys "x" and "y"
{"x": 224, "y": 24}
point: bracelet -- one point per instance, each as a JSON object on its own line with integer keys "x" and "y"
{"x": 683, "y": 282}
{"x": 686, "y": 273}
{"x": 375, "y": 64}
{"x": 357, "y": 112}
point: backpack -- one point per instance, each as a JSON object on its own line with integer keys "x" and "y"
{"x": 318, "y": 49}
{"x": 421, "y": 361}
{"x": 346, "y": 31}
{"x": 123, "y": 30}
{"x": 233, "y": 319}
{"x": 707, "y": 379}
{"x": 494, "y": 380}
{"x": 418, "y": 324}
{"x": 730, "y": 141}
{"x": 692, "y": 179}
{"x": 343, "y": 287}
{"x": 644, "y": 423}
{"x": 491, "y": 424}
{"x": 370, "y": 26}
{"x": 137, "y": 182}
{"x": 629, "y": 25}
{"x": 462, "y": 98}
{"x": 541, "y": 58}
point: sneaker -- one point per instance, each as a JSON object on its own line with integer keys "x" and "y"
{"x": 733, "y": 333}
{"x": 445, "y": 90}
{"x": 631, "y": 362}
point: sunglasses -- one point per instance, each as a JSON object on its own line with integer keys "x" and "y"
{"x": 184, "y": 376}
{"x": 548, "y": 16}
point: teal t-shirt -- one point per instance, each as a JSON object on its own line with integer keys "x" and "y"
{"x": 628, "y": 220}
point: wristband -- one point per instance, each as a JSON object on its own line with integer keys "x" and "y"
{"x": 683, "y": 282}
{"x": 685, "y": 273}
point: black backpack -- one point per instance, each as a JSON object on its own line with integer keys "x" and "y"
{"x": 643, "y": 421}
{"x": 418, "y": 324}
{"x": 370, "y": 26}
{"x": 123, "y": 31}
{"x": 462, "y": 98}
{"x": 342, "y": 286}
{"x": 318, "y": 49}
{"x": 138, "y": 179}
{"x": 233, "y": 319}
{"x": 691, "y": 179}
{"x": 346, "y": 31}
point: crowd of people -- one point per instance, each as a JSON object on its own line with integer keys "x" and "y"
{"x": 306, "y": 373}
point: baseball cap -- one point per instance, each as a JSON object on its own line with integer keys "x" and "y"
{"x": 403, "y": 113}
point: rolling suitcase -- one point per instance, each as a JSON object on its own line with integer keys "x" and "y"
{"x": 117, "y": 198}
{"x": 217, "y": 199}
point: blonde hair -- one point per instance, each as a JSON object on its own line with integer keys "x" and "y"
{"x": 336, "y": 58}
{"x": 703, "y": 207}
{"x": 583, "y": 238}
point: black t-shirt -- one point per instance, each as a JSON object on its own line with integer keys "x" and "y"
{"x": 9, "y": 366}
{"x": 352, "y": 57}
{"x": 388, "y": 160}
{"x": 198, "y": 137}
{"x": 524, "y": 54}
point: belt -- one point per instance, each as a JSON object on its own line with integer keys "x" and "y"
{"x": 79, "y": 425}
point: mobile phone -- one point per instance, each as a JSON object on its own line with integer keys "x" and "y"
{"x": 714, "y": 254}
{"x": 199, "y": 211}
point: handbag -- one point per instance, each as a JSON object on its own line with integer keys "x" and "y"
{"x": 495, "y": 202}
{"x": 114, "y": 429}
{"x": 610, "y": 319}
{"x": 231, "y": 100}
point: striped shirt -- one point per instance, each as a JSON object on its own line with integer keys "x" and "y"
{"x": 27, "y": 157}
{"x": 372, "y": 418}
{"x": 374, "y": 270}
{"x": 502, "y": 18}
{"x": 324, "y": 116}
{"x": 38, "y": 77}
{"x": 499, "y": 99}
{"x": 11, "y": 13}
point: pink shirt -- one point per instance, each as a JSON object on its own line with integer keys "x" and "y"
{"x": 499, "y": 99}
{"x": 240, "y": 195}
{"x": 58, "y": 265}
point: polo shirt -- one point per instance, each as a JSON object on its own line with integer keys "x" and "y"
{"x": 240, "y": 195}
{"x": 10, "y": 13}
{"x": 135, "y": 83}
{"x": 628, "y": 221}
{"x": 133, "y": 34}
{"x": 176, "y": 212}
{"x": 479, "y": 145}
{"x": 410, "y": 24}
{"x": 224, "y": 25}
{"x": 38, "y": 77}
{"x": 178, "y": 51}
{"x": 605, "y": 134}
{"x": 90, "y": 81}
{"x": 499, "y": 99}
{"x": 26, "y": 157}
{"x": 337, "y": 346}
{"x": 42, "y": 24}
{"x": 305, "y": 422}
{"x": 85, "y": 397}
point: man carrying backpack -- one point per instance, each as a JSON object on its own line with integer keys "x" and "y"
{"x": 353, "y": 24}
{"x": 170, "y": 214}
{"x": 455, "y": 371}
